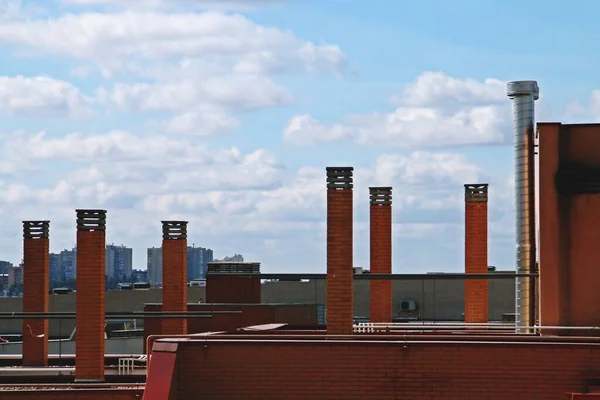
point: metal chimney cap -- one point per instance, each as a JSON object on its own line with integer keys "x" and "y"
{"x": 523, "y": 88}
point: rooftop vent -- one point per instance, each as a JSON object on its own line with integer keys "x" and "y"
{"x": 233, "y": 268}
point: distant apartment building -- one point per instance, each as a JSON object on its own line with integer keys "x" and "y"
{"x": 4, "y": 266}
{"x": 154, "y": 266}
{"x": 197, "y": 260}
{"x": 4, "y": 281}
{"x": 15, "y": 275}
{"x": 63, "y": 265}
{"x": 233, "y": 258}
{"x": 138, "y": 275}
{"x": 119, "y": 262}
{"x": 56, "y": 269}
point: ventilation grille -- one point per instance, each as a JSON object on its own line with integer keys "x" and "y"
{"x": 36, "y": 229}
{"x": 173, "y": 230}
{"x": 339, "y": 177}
{"x": 91, "y": 220}
{"x": 233, "y": 268}
{"x": 476, "y": 193}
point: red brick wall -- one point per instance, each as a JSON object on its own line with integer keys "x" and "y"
{"x": 91, "y": 256}
{"x": 568, "y": 225}
{"x": 174, "y": 266}
{"x": 476, "y": 252}
{"x": 381, "y": 254}
{"x": 57, "y": 394}
{"x": 232, "y": 289}
{"x": 36, "y": 285}
{"x": 340, "y": 274}
{"x": 379, "y": 371}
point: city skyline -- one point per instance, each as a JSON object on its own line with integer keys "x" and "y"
{"x": 63, "y": 265}
{"x": 58, "y": 252}
{"x": 225, "y": 114}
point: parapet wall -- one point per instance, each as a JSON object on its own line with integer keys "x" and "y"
{"x": 221, "y": 368}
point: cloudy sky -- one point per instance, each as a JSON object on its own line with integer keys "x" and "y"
{"x": 225, "y": 113}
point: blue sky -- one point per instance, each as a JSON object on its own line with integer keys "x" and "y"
{"x": 227, "y": 115}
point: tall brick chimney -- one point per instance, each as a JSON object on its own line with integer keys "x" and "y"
{"x": 91, "y": 265}
{"x": 476, "y": 252}
{"x": 36, "y": 285}
{"x": 174, "y": 286}
{"x": 381, "y": 253}
{"x": 340, "y": 271}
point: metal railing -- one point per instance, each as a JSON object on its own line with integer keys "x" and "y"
{"x": 393, "y": 277}
{"x": 108, "y": 316}
{"x": 430, "y": 306}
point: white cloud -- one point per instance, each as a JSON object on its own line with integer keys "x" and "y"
{"x": 42, "y": 96}
{"x": 195, "y": 71}
{"x": 231, "y": 92}
{"x": 422, "y": 181}
{"x": 577, "y": 111}
{"x": 404, "y": 128}
{"x": 117, "y": 146}
{"x": 437, "y": 88}
{"x": 228, "y": 197}
{"x": 437, "y": 111}
{"x": 192, "y": 74}
{"x": 201, "y": 108}
{"x": 152, "y": 35}
{"x": 201, "y": 122}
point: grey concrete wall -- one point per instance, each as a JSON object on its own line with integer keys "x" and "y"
{"x": 442, "y": 299}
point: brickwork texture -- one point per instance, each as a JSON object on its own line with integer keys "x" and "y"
{"x": 232, "y": 289}
{"x": 340, "y": 292}
{"x": 174, "y": 284}
{"x": 36, "y": 285}
{"x": 68, "y": 394}
{"x": 89, "y": 345}
{"x": 380, "y": 371}
{"x": 476, "y": 260}
{"x": 381, "y": 262}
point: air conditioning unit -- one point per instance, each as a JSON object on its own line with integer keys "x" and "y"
{"x": 408, "y": 305}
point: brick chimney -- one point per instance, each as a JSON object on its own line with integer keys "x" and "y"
{"x": 36, "y": 285}
{"x": 91, "y": 265}
{"x": 340, "y": 272}
{"x": 476, "y": 252}
{"x": 174, "y": 286}
{"x": 381, "y": 253}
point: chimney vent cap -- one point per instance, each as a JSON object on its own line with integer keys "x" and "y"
{"x": 91, "y": 220}
{"x": 339, "y": 177}
{"x": 380, "y": 196}
{"x": 523, "y": 88}
{"x": 476, "y": 192}
{"x": 36, "y": 229}
{"x": 173, "y": 230}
